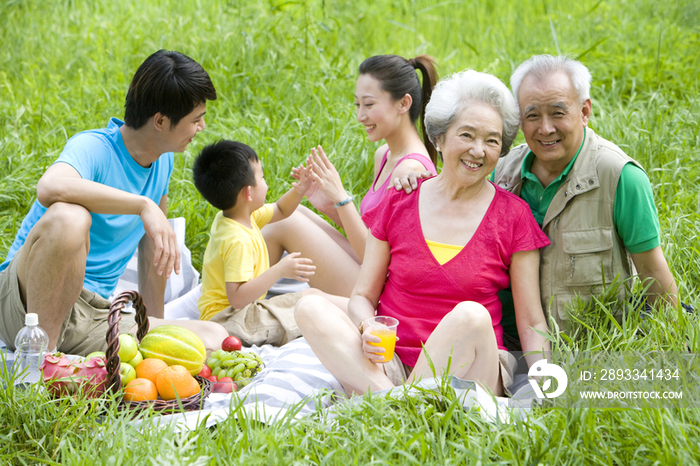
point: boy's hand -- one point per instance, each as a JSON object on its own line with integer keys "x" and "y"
{"x": 295, "y": 267}
{"x": 303, "y": 176}
{"x": 317, "y": 198}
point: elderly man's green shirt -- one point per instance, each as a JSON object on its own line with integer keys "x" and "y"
{"x": 635, "y": 216}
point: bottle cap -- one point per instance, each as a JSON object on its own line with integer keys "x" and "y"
{"x": 31, "y": 319}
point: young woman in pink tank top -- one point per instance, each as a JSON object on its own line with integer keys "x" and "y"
{"x": 389, "y": 100}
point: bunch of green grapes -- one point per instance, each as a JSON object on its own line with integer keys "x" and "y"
{"x": 238, "y": 365}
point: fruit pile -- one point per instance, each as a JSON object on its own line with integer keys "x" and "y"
{"x": 230, "y": 368}
{"x": 163, "y": 365}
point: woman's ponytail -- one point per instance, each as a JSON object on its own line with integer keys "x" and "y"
{"x": 426, "y": 65}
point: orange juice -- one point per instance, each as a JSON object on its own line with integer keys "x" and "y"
{"x": 388, "y": 341}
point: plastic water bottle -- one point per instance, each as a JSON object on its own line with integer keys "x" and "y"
{"x": 31, "y": 343}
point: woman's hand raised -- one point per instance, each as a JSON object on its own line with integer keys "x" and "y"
{"x": 315, "y": 195}
{"x": 326, "y": 176}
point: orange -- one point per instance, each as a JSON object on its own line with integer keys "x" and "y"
{"x": 140, "y": 390}
{"x": 195, "y": 386}
{"x": 176, "y": 379}
{"x": 149, "y": 368}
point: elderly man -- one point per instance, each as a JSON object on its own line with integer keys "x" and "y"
{"x": 593, "y": 201}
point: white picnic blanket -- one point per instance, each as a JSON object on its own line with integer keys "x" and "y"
{"x": 295, "y": 383}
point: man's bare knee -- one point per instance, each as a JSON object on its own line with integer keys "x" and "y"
{"x": 60, "y": 238}
{"x": 67, "y": 223}
{"x": 65, "y": 215}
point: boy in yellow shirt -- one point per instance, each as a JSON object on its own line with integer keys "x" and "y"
{"x": 236, "y": 272}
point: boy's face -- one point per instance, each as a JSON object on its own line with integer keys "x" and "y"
{"x": 259, "y": 191}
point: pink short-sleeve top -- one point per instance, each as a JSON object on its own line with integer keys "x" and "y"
{"x": 419, "y": 291}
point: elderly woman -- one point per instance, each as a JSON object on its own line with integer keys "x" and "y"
{"x": 436, "y": 258}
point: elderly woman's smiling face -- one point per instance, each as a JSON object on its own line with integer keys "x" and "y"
{"x": 472, "y": 145}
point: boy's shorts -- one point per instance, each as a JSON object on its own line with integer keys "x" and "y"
{"x": 83, "y": 331}
{"x": 264, "y": 321}
{"x": 399, "y": 372}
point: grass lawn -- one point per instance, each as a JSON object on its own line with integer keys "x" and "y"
{"x": 285, "y": 73}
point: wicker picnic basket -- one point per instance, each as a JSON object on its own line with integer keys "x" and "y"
{"x": 191, "y": 403}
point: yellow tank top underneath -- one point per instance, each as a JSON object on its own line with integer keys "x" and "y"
{"x": 443, "y": 252}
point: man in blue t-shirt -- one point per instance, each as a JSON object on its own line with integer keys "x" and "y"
{"x": 103, "y": 197}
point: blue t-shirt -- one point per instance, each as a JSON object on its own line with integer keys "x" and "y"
{"x": 100, "y": 155}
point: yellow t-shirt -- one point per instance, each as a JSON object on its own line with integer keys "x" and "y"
{"x": 235, "y": 253}
{"x": 443, "y": 253}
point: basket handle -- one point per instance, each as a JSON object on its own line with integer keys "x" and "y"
{"x": 113, "y": 319}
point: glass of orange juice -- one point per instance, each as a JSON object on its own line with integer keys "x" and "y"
{"x": 384, "y": 327}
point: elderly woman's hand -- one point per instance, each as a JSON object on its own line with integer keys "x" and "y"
{"x": 372, "y": 352}
{"x": 410, "y": 182}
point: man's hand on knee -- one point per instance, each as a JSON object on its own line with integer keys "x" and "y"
{"x": 166, "y": 252}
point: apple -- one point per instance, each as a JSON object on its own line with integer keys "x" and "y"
{"x": 127, "y": 373}
{"x": 96, "y": 354}
{"x": 231, "y": 344}
{"x": 127, "y": 347}
{"x": 225, "y": 385}
{"x": 212, "y": 379}
{"x": 136, "y": 360}
{"x": 205, "y": 372}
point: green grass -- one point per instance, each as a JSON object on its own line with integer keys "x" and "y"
{"x": 285, "y": 73}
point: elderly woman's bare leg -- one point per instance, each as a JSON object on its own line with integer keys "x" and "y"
{"x": 466, "y": 335}
{"x": 337, "y": 343}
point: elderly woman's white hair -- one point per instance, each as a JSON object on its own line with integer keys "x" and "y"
{"x": 542, "y": 66}
{"x": 455, "y": 93}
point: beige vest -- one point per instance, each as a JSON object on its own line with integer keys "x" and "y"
{"x": 585, "y": 251}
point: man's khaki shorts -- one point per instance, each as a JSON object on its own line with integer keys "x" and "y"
{"x": 398, "y": 372}
{"x": 85, "y": 329}
{"x": 265, "y": 321}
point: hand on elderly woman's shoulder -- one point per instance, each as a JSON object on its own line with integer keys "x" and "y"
{"x": 410, "y": 182}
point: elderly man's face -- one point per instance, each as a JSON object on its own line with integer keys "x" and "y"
{"x": 552, "y": 119}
